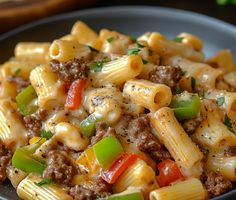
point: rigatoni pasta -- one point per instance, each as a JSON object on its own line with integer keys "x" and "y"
{"x": 83, "y": 34}
{"x": 64, "y": 50}
{"x": 166, "y": 48}
{"x": 12, "y": 131}
{"x": 183, "y": 150}
{"x": 45, "y": 83}
{"x": 28, "y": 190}
{"x": 204, "y": 74}
{"x": 213, "y": 133}
{"x": 147, "y": 94}
{"x": 179, "y": 191}
{"x": 223, "y": 164}
{"x": 32, "y": 51}
{"x": 118, "y": 71}
{"x": 107, "y": 116}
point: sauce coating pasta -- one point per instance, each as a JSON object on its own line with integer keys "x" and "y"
{"x": 106, "y": 116}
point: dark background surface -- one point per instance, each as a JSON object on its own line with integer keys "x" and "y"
{"x": 13, "y": 14}
{"x": 207, "y": 7}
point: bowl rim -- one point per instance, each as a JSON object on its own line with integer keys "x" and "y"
{"x": 163, "y": 11}
{"x": 133, "y": 10}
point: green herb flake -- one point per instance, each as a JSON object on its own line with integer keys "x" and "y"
{"x": 92, "y": 49}
{"x": 45, "y": 181}
{"x": 133, "y": 51}
{"x": 220, "y": 101}
{"x": 140, "y": 45}
{"x": 202, "y": 93}
{"x": 46, "y": 134}
{"x": 110, "y": 39}
{"x": 17, "y": 72}
{"x": 144, "y": 61}
{"x": 178, "y": 90}
{"x": 193, "y": 83}
{"x": 178, "y": 39}
{"x": 228, "y": 123}
{"x": 183, "y": 72}
{"x": 96, "y": 66}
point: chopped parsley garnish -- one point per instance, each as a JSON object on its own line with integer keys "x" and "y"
{"x": 17, "y": 72}
{"x": 133, "y": 51}
{"x": 140, "y": 45}
{"x": 220, "y": 101}
{"x": 178, "y": 39}
{"x": 193, "y": 83}
{"x": 46, "y": 134}
{"x": 45, "y": 181}
{"x": 178, "y": 90}
{"x": 202, "y": 93}
{"x": 92, "y": 49}
{"x": 96, "y": 66}
{"x": 183, "y": 72}
{"x": 228, "y": 123}
{"x": 144, "y": 61}
{"x": 110, "y": 39}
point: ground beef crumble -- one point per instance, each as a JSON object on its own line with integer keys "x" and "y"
{"x": 98, "y": 189}
{"x": 19, "y": 82}
{"x": 215, "y": 183}
{"x": 190, "y": 125}
{"x": 59, "y": 167}
{"x": 146, "y": 141}
{"x": 70, "y": 70}
{"x": 34, "y": 122}
{"x": 5, "y": 157}
{"x": 168, "y": 75}
{"x": 230, "y": 151}
{"x": 102, "y": 131}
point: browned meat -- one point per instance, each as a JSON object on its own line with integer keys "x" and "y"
{"x": 146, "y": 141}
{"x": 190, "y": 125}
{"x": 80, "y": 193}
{"x": 215, "y": 183}
{"x": 102, "y": 130}
{"x": 18, "y": 81}
{"x": 59, "y": 167}
{"x": 5, "y": 157}
{"x": 230, "y": 151}
{"x": 98, "y": 189}
{"x": 168, "y": 75}
{"x": 34, "y": 122}
{"x": 70, "y": 71}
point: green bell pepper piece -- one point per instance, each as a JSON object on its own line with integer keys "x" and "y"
{"x": 186, "y": 105}
{"x": 127, "y": 195}
{"x": 107, "y": 151}
{"x": 88, "y": 125}
{"x": 27, "y": 101}
{"x": 23, "y": 159}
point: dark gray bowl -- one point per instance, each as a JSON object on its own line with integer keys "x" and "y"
{"x": 133, "y": 20}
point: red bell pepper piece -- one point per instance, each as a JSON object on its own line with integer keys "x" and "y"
{"x": 74, "y": 97}
{"x": 168, "y": 172}
{"x": 123, "y": 162}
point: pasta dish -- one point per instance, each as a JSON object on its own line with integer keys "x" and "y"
{"x": 108, "y": 116}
